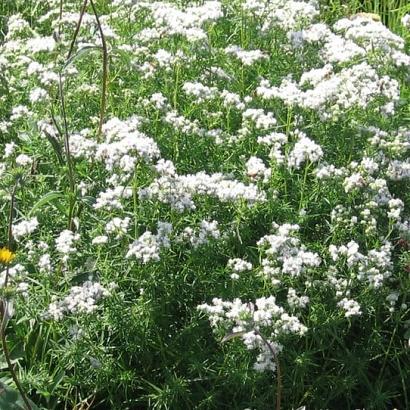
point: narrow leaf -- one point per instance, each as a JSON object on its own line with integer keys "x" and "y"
{"x": 232, "y": 336}
{"x": 47, "y": 198}
{"x": 79, "y": 53}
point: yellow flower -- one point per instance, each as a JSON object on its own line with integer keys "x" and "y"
{"x": 6, "y": 256}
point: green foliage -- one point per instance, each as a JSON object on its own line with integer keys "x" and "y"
{"x": 146, "y": 346}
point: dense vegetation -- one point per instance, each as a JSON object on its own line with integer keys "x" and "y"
{"x": 204, "y": 205}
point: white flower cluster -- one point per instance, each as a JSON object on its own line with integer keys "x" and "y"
{"x": 353, "y": 39}
{"x": 375, "y": 38}
{"x": 399, "y": 170}
{"x": 81, "y": 299}
{"x": 250, "y": 320}
{"x": 405, "y": 20}
{"x": 276, "y": 141}
{"x": 284, "y": 14}
{"x": 375, "y": 267}
{"x": 166, "y": 60}
{"x": 334, "y": 93}
{"x": 305, "y": 150}
{"x": 169, "y": 20}
{"x": 199, "y": 91}
{"x": 232, "y": 100}
{"x": 38, "y": 95}
{"x": 258, "y": 117}
{"x": 247, "y": 57}
{"x": 207, "y": 230}
{"x": 124, "y": 145}
{"x": 110, "y": 199}
{"x": 295, "y": 301}
{"x": 100, "y": 240}
{"x": 178, "y": 190}
{"x": 23, "y": 160}
{"x": 148, "y": 246}
{"x": 65, "y": 243}
{"x": 256, "y": 169}
{"x": 24, "y": 228}
{"x": 329, "y": 171}
{"x": 237, "y": 265}
{"x": 117, "y": 226}
{"x": 44, "y": 263}
{"x": 13, "y": 272}
{"x": 350, "y": 306}
{"x": 284, "y": 254}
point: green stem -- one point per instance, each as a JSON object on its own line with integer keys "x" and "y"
{"x": 70, "y": 166}
{"x": 302, "y": 190}
{"x": 3, "y": 308}
{"x": 278, "y": 370}
{"x": 105, "y": 72}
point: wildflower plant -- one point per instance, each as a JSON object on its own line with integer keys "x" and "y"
{"x": 204, "y": 205}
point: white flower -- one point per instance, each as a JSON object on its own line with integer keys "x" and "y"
{"x": 24, "y": 228}
{"x": 118, "y": 227}
{"x": 405, "y": 20}
{"x": 256, "y": 169}
{"x": 44, "y": 263}
{"x": 304, "y": 150}
{"x": 100, "y": 240}
{"x": 65, "y": 243}
{"x": 81, "y": 299}
{"x": 38, "y": 95}
{"x": 238, "y": 265}
{"x": 146, "y": 248}
{"x": 247, "y": 57}
{"x": 351, "y": 307}
{"x": 23, "y": 160}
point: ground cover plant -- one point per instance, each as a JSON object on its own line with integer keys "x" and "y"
{"x": 204, "y": 204}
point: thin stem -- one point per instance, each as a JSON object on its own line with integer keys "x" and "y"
{"x": 10, "y": 230}
{"x": 105, "y": 71}
{"x": 77, "y": 29}
{"x": 302, "y": 191}
{"x": 60, "y": 16}
{"x": 3, "y": 306}
{"x": 135, "y": 200}
{"x": 68, "y": 155}
{"x": 278, "y": 371}
{"x": 7, "y": 356}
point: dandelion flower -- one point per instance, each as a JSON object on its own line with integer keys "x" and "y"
{"x": 6, "y": 256}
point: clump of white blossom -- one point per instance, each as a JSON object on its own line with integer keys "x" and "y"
{"x": 24, "y": 228}
{"x": 80, "y": 300}
{"x": 258, "y": 324}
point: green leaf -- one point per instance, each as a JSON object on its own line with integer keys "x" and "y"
{"x": 232, "y": 336}
{"x": 47, "y": 198}
{"x": 79, "y": 53}
{"x": 56, "y": 147}
{"x": 11, "y": 399}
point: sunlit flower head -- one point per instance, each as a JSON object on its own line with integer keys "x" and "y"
{"x": 6, "y": 256}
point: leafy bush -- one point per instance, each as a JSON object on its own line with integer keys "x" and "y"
{"x": 204, "y": 205}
